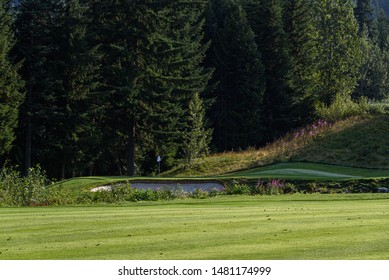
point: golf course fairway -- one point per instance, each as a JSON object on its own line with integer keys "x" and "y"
{"x": 347, "y": 226}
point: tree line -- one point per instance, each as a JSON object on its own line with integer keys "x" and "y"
{"x": 104, "y": 87}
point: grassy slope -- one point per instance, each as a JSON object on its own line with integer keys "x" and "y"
{"x": 357, "y": 142}
{"x": 364, "y": 143}
{"x": 278, "y": 227}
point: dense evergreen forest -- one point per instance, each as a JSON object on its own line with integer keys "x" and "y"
{"x": 103, "y": 87}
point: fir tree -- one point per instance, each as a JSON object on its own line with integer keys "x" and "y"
{"x": 11, "y": 85}
{"x": 37, "y": 32}
{"x": 151, "y": 68}
{"x": 178, "y": 75}
{"x": 197, "y": 138}
{"x": 239, "y": 73}
{"x": 272, "y": 43}
{"x": 77, "y": 103}
{"x": 383, "y": 30}
{"x": 364, "y": 15}
{"x": 300, "y": 27}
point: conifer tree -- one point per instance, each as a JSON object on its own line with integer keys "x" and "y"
{"x": 383, "y": 29}
{"x": 197, "y": 138}
{"x": 37, "y": 30}
{"x": 240, "y": 77}
{"x": 11, "y": 85}
{"x": 77, "y": 103}
{"x": 300, "y": 28}
{"x": 179, "y": 75}
{"x": 364, "y": 15}
{"x": 151, "y": 68}
{"x": 271, "y": 39}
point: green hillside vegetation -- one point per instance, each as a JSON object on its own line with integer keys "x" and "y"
{"x": 355, "y": 142}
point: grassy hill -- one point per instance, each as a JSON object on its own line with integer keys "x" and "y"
{"x": 356, "y": 142}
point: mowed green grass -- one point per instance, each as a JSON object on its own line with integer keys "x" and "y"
{"x": 311, "y": 171}
{"x": 237, "y": 227}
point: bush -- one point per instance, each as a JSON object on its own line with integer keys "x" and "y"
{"x": 238, "y": 188}
{"x": 273, "y": 187}
{"x": 31, "y": 190}
{"x": 199, "y": 193}
{"x": 343, "y": 107}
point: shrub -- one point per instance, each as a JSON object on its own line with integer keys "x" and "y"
{"x": 199, "y": 193}
{"x": 31, "y": 190}
{"x": 343, "y": 107}
{"x": 273, "y": 187}
{"x": 238, "y": 188}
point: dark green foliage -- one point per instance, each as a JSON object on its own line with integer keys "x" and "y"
{"x": 113, "y": 84}
{"x": 374, "y": 80}
{"x": 364, "y": 14}
{"x": 37, "y": 31}
{"x": 60, "y": 70}
{"x": 271, "y": 38}
{"x": 236, "y": 114}
{"x": 150, "y": 71}
{"x": 338, "y": 50}
{"x": 197, "y": 138}
{"x": 383, "y": 30}
{"x": 78, "y": 102}
{"x": 11, "y": 85}
{"x": 300, "y": 27}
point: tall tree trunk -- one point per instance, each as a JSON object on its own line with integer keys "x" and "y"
{"x": 131, "y": 149}
{"x": 27, "y": 157}
{"x": 63, "y": 168}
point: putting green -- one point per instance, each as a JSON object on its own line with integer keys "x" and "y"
{"x": 312, "y": 171}
{"x": 302, "y": 172}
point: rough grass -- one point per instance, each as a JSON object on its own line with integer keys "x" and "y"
{"x": 278, "y": 227}
{"x": 361, "y": 143}
{"x": 358, "y": 142}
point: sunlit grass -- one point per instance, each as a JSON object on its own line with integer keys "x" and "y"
{"x": 237, "y": 227}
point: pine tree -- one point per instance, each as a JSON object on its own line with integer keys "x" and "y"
{"x": 11, "y": 85}
{"x": 239, "y": 74}
{"x": 178, "y": 75}
{"x": 197, "y": 138}
{"x": 37, "y": 30}
{"x": 383, "y": 29}
{"x": 151, "y": 68}
{"x": 77, "y": 108}
{"x": 364, "y": 15}
{"x": 300, "y": 27}
{"x": 271, "y": 39}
